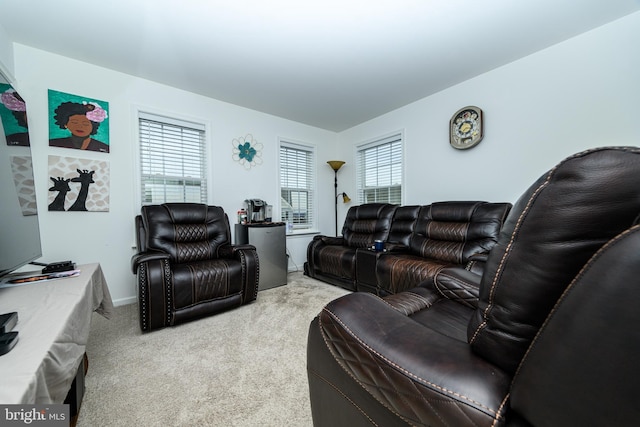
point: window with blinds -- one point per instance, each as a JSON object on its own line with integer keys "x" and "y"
{"x": 379, "y": 170}
{"x": 172, "y": 160}
{"x": 297, "y": 184}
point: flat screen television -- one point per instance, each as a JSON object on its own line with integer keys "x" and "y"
{"x": 19, "y": 227}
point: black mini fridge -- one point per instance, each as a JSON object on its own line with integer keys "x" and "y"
{"x": 270, "y": 241}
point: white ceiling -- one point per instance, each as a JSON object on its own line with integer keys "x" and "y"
{"x": 328, "y": 63}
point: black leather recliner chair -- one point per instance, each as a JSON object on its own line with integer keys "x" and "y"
{"x": 187, "y": 267}
{"x": 548, "y": 337}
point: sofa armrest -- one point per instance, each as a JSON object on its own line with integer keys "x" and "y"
{"x": 458, "y": 284}
{"x": 330, "y": 240}
{"x": 396, "y": 248}
{"x": 477, "y": 262}
{"x": 150, "y": 255}
{"x": 247, "y": 255}
{"x": 232, "y": 251}
{"x": 391, "y": 366}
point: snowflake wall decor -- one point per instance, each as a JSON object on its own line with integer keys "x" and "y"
{"x": 247, "y": 151}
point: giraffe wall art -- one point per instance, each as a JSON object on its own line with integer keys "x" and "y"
{"x": 78, "y": 184}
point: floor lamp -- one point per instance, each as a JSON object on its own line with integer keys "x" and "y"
{"x": 336, "y": 165}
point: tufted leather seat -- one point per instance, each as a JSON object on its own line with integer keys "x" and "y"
{"x": 551, "y": 340}
{"x": 186, "y": 266}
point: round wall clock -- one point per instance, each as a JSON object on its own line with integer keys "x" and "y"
{"x": 466, "y": 128}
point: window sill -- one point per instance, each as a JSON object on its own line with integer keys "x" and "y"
{"x": 305, "y": 232}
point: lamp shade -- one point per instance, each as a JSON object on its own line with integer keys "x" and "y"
{"x": 335, "y": 164}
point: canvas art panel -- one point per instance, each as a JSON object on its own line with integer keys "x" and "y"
{"x": 78, "y": 184}
{"x": 22, "y": 171}
{"x": 13, "y": 115}
{"x": 78, "y": 122}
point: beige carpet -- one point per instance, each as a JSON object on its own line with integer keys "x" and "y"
{"x": 244, "y": 367}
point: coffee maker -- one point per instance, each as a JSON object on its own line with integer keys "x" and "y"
{"x": 256, "y": 210}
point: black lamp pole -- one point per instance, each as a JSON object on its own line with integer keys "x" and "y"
{"x": 336, "y": 165}
{"x": 335, "y": 198}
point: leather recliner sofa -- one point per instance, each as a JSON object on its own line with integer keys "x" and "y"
{"x": 186, "y": 266}
{"x": 548, "y": 337}
{"x": 419, "y": 242}
{"x": 333, "y": 259}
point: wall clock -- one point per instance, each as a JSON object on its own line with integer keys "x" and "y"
{"x": 466, "y": 128}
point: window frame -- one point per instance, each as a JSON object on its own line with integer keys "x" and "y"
{"x": 311, "y": 175}
{"x": 179, "y": 120}
{"x": 389, "y": 139}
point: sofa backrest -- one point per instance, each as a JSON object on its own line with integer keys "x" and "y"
{"x": 366, "y": 223}
{"x": 453, "y": 231}
{"x": 567, "y": 215}
{"x": 186, "y": 231}
{"x": 581, "y": 367}
{"x": 403, "y": 224}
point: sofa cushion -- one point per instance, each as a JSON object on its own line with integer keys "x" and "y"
{"x": 186, "y": 231}
{"x": 215, "y": 278}
{"x": 453, "y": 231}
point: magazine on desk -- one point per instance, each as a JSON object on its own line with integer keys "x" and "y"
{"x": 26, "y": 278}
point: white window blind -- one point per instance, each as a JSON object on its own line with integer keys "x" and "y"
{"x": 172, "y": 160}
{"x": 297, "y": 184}
{"x": 379, "y": 171}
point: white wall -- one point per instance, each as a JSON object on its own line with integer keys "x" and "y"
{"x": 108, "y": 237}
{"x": 6, "y": 54}
{"x": 578, "y": 94}
{"x": 538, "y": 110}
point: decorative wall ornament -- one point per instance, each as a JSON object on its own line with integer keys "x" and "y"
{"x": 78, "y": 184}
{"x": 247, "y": 151}
{"x": 78, "y": 122}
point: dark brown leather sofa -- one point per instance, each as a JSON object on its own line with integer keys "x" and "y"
{"x": 419, "y": 242}
{"x": 550, "y": 339}
{"x": 187, "y": 267}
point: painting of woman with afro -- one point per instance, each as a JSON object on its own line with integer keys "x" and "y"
{"x": 77, "y": 123}
{"x": 13, "y": 113}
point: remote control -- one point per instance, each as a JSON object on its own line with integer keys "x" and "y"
{"x": 56, "y": 267}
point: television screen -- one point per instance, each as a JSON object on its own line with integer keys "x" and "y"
{"x": 19, "y": 228}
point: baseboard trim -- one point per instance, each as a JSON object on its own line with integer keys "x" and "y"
{"x": 124, "y": 301}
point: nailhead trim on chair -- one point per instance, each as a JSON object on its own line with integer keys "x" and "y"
{"x": 142, "y": 285}
{"x": 168, "y": 289}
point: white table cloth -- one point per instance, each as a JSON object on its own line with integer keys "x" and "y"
{"x": 53, "y": 327}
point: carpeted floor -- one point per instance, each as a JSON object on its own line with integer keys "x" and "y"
{"x": 244, "y": 367}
